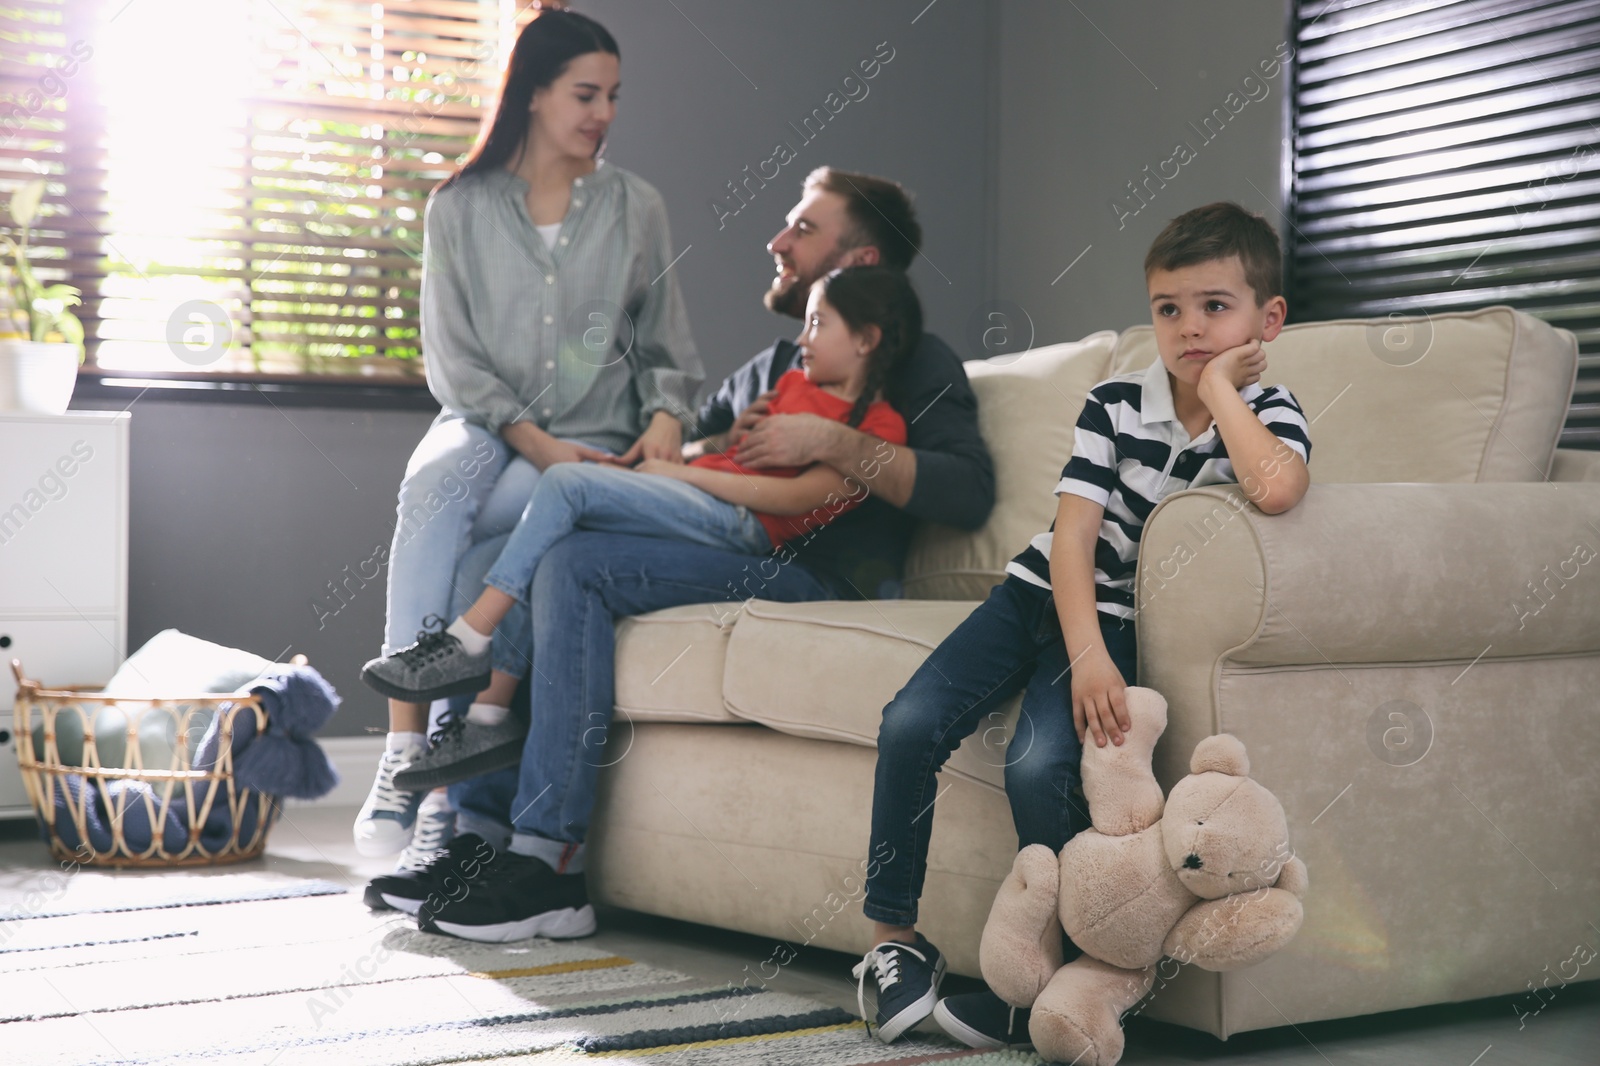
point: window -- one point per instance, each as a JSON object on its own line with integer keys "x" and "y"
{"x": 237, "y": 185}
{"x": 1447, "y": 157}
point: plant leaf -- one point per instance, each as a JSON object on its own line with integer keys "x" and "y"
{"x": 25, "y": 202}
{"x": 72, "y": 330}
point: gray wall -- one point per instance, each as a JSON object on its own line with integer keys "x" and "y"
{"x": 1090, "y": 94}
{"x": 709, "y": 87}
{"x": 1014, "y": 123}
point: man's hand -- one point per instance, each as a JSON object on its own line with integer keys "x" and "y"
{"x": 662, "y": 440}
{"x": 1233, "y": 369}
{"x": 789, "y": 440}
{"x": 750, "y": 416}
{"x": 543, "y": 450}
{"x": 1099, "y": 698}
{"x": 718, "y": 443}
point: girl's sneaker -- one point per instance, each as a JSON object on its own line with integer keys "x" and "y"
{"x": 907, "y": 977}
{"x": 462, "y": 748}
{"x": 385, "y": 822}
{"x": 436, "y": 666}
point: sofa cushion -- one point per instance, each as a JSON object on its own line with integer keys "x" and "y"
{"x": 1466, "y": 396}
{"x": 1028, "y": 404}
{"x": 826, "y": 670}
{"x": 669, "y": 664}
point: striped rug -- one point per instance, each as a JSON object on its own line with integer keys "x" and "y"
{"x": 303, "y": 973}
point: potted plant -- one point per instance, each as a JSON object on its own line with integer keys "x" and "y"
{"x": 41, "y": 341}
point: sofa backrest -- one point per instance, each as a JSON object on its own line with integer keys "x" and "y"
{"x": 1461, "y": 397}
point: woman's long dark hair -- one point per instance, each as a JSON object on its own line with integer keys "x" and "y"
{"x": 876, "y": 296}
{"x": 545, "y": 46}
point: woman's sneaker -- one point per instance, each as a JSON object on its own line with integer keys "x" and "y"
{"x": 408, "y": 886}
{"x": 907, "y": 978}
{"x": 434, "y": 667}
{"x": 983, "y": 1020}
{"x": 385, "y": 822}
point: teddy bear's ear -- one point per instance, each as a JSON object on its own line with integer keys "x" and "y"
{"x": 1223, "y": 753}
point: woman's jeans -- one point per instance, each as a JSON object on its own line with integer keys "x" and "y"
{"x": 463, "y": 485}
{"x": 606, "y": 499}
{"x": 1012, "y": 643}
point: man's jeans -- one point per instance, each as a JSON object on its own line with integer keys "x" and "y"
{"x": 606, "y": 499}
{"x": 1012, "y": 643}
{"x": 583, "y": 585}
{"x": 462, "y": 485}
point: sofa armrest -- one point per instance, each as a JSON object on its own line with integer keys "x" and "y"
{"x": 1374, "y": 573}
{"x": 1357, "y": 574}
{"x": 1575, "y": 464}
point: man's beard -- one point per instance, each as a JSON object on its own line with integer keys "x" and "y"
{"x": 790, "y": 299}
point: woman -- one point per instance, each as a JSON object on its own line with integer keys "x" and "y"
{"x": 554, "y": 333}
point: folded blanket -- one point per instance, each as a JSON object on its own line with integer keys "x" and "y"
{"x": 287, "y": 761}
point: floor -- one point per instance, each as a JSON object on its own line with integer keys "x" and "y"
{"x": 314, "y": 842}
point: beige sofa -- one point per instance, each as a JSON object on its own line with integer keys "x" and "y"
{"x": 1412, "y": 657}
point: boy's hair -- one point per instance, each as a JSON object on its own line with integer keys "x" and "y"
{"x": 880, "y": 214}
{"x": 876, "y": 296}
{"x": 1218, "y": 231}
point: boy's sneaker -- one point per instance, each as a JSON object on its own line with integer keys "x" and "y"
{"x": 511, "y": 897}
{"x": 385, "y": 822}
{"x": 434, "y": 667}
{"x": 408, "y": 886}
{"x": 907, "y": 977}
{"x": 983, "y": 1020}
{"x": 463, "y": 749}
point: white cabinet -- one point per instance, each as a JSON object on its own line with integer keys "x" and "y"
{"x": 63, "y": 548}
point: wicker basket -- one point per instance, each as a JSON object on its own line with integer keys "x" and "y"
{"x": 47, "y": 778}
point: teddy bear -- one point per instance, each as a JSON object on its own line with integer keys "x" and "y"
{"x": 1205, "y": 876}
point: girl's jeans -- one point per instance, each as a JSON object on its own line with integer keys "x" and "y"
{"x": 606, "y": 499}
{"x": 1012, "y": 643}
{"x": 463, "y": 485}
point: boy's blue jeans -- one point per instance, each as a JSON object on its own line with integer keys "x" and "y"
{"x": 1011, "y": 643}
{"x": 606, "y": 499}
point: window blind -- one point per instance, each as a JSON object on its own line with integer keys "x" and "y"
{"x": 49, "y": 125}
{"x": 1447, "y": 157}
{"x": 251, "y": 199}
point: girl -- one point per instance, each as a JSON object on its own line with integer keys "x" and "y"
{"x": 861, "y": 323}
{"x": 531, "y": 253}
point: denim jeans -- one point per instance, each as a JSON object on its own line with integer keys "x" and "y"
{"x": 582, "y": 586}
{"x": 606, "y": 499}
{"x": 1011, "y": 643}
{"x": 462, "y": 485}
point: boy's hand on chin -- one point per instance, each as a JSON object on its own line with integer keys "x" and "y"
{"x": 1234, "y": 368}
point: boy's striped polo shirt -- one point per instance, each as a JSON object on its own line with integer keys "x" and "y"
{"x": 1129, "y": 452}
